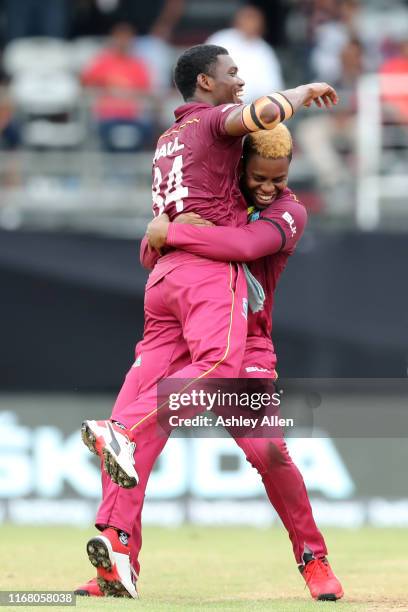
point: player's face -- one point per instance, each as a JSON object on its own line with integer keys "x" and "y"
{"x": 263, "y": 180}
{"x": 227, "y": 85}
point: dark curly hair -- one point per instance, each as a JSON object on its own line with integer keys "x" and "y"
{"x": 194, "y": 61}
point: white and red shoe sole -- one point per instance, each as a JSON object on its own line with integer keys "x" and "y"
{"x": 113, "y": 569}
{"x": 94, "y": 440}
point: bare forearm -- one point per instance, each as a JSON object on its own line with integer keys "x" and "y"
{"x": 297, "y": 96}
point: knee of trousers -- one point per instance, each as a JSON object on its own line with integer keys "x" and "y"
{"x": 268, "y": 455}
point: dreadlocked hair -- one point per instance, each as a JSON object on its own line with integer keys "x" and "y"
{"x": 271, "y": 144}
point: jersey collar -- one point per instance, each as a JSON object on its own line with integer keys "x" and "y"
{"x": 189, "y": 107}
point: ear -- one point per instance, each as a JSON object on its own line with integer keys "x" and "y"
{"x": 205, "y": 81}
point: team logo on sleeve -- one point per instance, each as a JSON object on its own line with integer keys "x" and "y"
{"x": 138, "y": 362}
{"x": 290, "y": 221}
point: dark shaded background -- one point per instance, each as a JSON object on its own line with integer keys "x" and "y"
{"x": 72, "y": 309}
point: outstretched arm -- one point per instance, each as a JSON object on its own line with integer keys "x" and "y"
{"x": 266, "y": 112}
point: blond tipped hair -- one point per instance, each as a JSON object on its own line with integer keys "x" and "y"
{"x": 271, "y": 144}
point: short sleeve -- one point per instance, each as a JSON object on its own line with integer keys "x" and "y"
{"x": 289, "y": 216}
{"x": 215, "y": 118}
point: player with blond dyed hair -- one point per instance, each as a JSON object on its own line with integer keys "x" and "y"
{"x": 276, "y": 223}
{"x": 276, "y": 144}
{"x": 271, "y": 206}
{"x": 195, "y": 170}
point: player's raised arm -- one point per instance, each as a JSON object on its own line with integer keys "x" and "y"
{"x": 266, "y": 112}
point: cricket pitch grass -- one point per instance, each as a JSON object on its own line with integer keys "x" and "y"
{"x": 201, "y": 568}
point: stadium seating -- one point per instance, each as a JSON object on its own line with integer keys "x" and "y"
{"x": 45, "y": 92}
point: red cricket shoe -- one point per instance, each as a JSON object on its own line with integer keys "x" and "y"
{"x": 115, "y": 575}
{"x": 112, "y": 444}
{"x": 319, "y": 577}
{"x": 89, "y": 589}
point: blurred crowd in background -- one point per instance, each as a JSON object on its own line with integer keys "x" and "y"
{"x": 97, "y": 74}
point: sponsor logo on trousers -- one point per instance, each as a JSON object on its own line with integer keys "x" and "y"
{"x": 256, "y": 369}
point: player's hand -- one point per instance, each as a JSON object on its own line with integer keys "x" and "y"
{"x": 192, "y": 218}
{"x": 156, "y": 232}
{"x": 322, "y": 94}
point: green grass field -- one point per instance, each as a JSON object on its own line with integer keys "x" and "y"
{"x": 193, "y": 568}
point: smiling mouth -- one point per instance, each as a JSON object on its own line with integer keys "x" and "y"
{"x": 263, "y": 198}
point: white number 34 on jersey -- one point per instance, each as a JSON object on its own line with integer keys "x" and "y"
{"x": 174, "y": 192}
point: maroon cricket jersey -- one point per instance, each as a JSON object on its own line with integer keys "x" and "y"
{"x": 195, "y": 166}
{"x": 290, "y": 215}
{"x": 266, "y": 242}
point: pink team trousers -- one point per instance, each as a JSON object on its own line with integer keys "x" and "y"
{"x": 201, "y": 304}
{"x": 283, "y": 482}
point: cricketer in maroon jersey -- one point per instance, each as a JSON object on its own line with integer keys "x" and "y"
{"x": 195, "y": 168}
{"x": 266, "y": 244}
{"x": 281, "y": 223}
{"x": 276, "y": 223}
{"x": 188, "y": 296}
